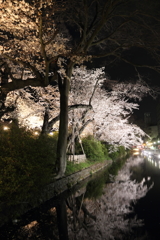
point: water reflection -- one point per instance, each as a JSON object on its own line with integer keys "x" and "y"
{"x": 100, "y": 209}
{"x": 147, "y": 208}
{"x": 84, "y": 206}
{"x": 107, "y": 217}
{"x": 154, "y": 161}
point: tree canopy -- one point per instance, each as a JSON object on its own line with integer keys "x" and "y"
{"x": 89, "y": 102}
{"x": 42, "y": 36}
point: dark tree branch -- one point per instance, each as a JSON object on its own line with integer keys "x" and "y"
{"x": 25, "y": 65}
{"x": 56, "y": 119}
{"x": 110, "y": 35}
{"x": 77, "y": 106}
{"x": 18, "y": 84}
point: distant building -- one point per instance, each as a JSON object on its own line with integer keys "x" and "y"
{"x": 149, "y": 126}
{"x": 158, "y": 116}
{"x": 153, "y": 131}
{"x": 147, "y": 119}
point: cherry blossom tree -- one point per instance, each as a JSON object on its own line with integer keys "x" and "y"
{"x": 47, "y": 38}
{"x": 30, "y": 104}
{"x": 108, "y": 108}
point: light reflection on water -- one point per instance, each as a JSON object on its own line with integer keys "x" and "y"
{"x": 147, "y": 208}
{"x": 153, "y": 160}
{"x": 155, "y": 163}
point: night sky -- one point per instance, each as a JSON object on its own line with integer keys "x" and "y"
{"x": 125, "y": 72}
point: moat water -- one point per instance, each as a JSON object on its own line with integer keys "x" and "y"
{"x": 103, "y": 207}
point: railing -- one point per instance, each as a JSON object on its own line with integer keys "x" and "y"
{"x": 77, "y": 158}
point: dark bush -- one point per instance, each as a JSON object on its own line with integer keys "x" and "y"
{"x": 26, "y": 163}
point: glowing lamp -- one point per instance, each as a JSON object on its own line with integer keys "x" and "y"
{"x": 5, "y": 128}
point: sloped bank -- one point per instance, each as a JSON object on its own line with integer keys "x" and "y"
{"x": 8, "y": 213}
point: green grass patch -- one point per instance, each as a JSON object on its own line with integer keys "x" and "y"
{"x": 72, "y": 167}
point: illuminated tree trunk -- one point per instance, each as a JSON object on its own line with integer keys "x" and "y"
{"x": 45, "y": 127}
{"x": 64, "y": 86}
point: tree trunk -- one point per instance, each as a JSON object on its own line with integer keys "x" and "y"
{"x": 45, "y": 128}
{"x": 63, "y": 130}
{"x": 64, "y": 86}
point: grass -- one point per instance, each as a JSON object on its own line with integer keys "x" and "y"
{"x": 72, "y": 167}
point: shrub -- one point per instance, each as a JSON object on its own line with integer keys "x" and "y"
{"x": 26, "y": 163}
{"x": 105, "y": 151}
{"x": 120, "y": 152}
{"x": 114, "y": 155}
{"x": 94, "y": 149}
